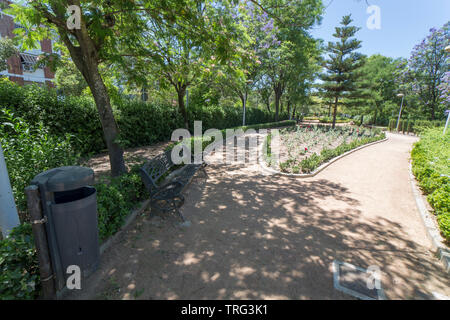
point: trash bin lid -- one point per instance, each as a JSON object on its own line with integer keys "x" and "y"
{"x": 65, "y": 178}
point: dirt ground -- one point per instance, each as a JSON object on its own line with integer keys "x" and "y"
{"x": 100, "y": 163}
{"x": 259, "y": 236}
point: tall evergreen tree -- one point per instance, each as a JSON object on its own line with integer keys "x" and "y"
{"x": 342, "y": 64}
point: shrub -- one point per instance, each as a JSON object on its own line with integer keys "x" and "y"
{"x": 116, "y": 199}
{"x": 140, "y": 123}
{"x": 30, "y": 150}
{"x": 430, "y": 166}
{"x": 19, "y": 271}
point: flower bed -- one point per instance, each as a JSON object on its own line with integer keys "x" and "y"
{"x": 303, "y": 149}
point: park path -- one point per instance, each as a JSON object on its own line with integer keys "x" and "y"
{"x": 259, "y": 236}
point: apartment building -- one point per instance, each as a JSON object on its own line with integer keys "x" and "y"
{"x": 21, "y": 67}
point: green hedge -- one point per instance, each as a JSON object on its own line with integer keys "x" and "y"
{"x": 30, "y": 150}
{"x": 430, "y": 166}
{"x": 330, "y": 120}
{"x": 414, "y": 126}
{"x": 140, "y": 123}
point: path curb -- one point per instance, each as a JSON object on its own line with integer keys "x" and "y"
{"x": 262, "y": 162}
{"x": 433, "y": 232}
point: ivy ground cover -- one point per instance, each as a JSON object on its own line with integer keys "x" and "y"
{"x": 303, "y": 149}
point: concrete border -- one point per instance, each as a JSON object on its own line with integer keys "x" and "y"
{"x": 262, "y": 161}
{"x": 430, "y": 224}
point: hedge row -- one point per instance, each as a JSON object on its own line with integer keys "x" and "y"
{"x": 414, "y": 126}
{"x": 430, "y": 166}
{"x": 140, "y": 123}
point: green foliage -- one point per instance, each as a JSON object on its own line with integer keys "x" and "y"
{"x": 330, "y": 120}
{"x": 72, "y": 115}
{"x": 343, "y": 64}
{"x": 115, "y": 200}
{"x": 29, "y": 150}
{"x": 414, "y": 126}
{"x": 7, "y": 49}
{"x": 430, "y": 166}
{"x": 19, "y": 271}
{"x": 69, "y": 80}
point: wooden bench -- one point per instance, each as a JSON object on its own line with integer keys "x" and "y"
{"x": 165, "y": 185}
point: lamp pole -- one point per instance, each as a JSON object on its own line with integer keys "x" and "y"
{"x": 245, "y": 100}
{"x": 401, "y": 107}
{"x": 448, "y": 119}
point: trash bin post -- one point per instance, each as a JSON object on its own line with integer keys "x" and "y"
{"x": 40, "y": 239}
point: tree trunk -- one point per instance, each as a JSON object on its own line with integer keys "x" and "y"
{"x": 335, "y": 111}
{"x": 375, "y": 117}
{"x": 85, "y": 57}
{"x": 293, "y": 111}
{"x": 329, "y": 110}
{"x": 278, "y": 92}
{"x": 289, "y": 109}
{"x": 109, "y": 125}
{"x": 181, "y": 93}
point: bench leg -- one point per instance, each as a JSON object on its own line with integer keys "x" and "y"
{"x": 204, "y": 171}
{"x": 177, "y": 208}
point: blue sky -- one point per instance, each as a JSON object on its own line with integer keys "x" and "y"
{"x": 404, "y": 23}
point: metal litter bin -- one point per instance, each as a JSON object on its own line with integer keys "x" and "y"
{"x": 70, "y": 207}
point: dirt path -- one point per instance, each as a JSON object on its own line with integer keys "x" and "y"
{"x": 256, "y": 236}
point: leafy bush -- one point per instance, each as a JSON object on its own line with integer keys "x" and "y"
{"x": 116, "y": 199}
{"x": 19, "y": 271}
{"x": 430, "y": 166}
{"x": 414, "y": 126}
{"x": 140, "y": 123}
{"x": 30, "y": 150}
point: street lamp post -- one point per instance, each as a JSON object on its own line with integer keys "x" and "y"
{"x": 448, "y": 119}
{"x": 401, "y": 107}
{"x": 245, "y": 100}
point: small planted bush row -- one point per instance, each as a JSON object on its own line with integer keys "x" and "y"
{"x": 306, "y": 148}
{"x": 115, "y": 200}
{"x": 330, "y": 120}
{"x": 414, "y": 126}
{"x": 430, "y": 158}
{"x": 313, "y": 162}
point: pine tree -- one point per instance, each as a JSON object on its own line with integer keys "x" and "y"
{"x": 342, "y": 64}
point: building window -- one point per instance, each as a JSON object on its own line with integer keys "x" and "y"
{"x": 28, "y": 62}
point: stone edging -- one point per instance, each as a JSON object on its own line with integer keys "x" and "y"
{"x": 262, "y": 162}
{"x": 430, "y": 223}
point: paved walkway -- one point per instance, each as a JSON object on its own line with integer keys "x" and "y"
{"x": 256, "y": 236}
